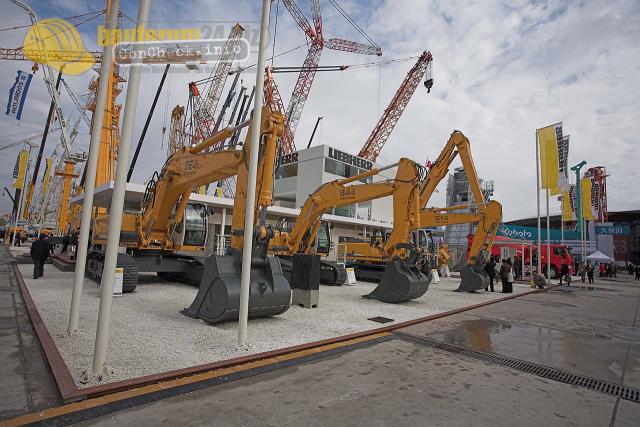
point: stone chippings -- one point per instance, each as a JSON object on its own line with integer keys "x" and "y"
{"x": 149, "y": 335}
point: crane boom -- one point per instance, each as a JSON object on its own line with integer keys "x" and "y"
{"x": 303, "y": 84}
{"x": 204, "y": 107}
{"x": 384, "y": 127}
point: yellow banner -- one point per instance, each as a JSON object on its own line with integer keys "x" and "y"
{"x": 27, "y": 201}
{"x": 585, "y": 196}
{"x": 567, "y": 212}
{"x": 45, "y": 178}
{"x": 23, "y": 157}
{"x": 549, "y": 161}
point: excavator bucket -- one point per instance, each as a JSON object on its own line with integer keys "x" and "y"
{"x": 218, "y": 298}
{"x": 474, "y": 278}
{"x": 402, "y": 281}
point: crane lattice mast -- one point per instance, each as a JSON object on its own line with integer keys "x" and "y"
{"x": 394, "y": 110}
{"x": 204, "y": 107}
{"x": 304, "y": 82}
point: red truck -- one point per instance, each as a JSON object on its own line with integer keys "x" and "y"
{"x": 512, "y": 247}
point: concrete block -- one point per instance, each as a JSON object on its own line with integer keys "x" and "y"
{"x": 305, "y": 298}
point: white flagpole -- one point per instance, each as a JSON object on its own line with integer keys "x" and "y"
{"x": 548, "y": 242}
{"x": 538, "y": 203}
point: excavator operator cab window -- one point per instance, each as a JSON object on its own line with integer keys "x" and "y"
{"x": 195, "y": 221}
{"x": 324, "y": 238}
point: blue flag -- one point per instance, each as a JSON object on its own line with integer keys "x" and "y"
{"x": 18, "y": 94}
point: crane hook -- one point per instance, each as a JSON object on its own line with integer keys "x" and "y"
{"x": 428, "y": 84}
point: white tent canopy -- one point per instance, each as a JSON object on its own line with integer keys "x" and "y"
{"x": 598, "y": 256}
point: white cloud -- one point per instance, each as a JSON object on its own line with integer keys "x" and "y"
{"x": 501, "y": 69}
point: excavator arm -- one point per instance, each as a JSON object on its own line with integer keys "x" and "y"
{"x": 301, "y": 238}
{"x": 458, "y": 144}
{"x": 487, "y": 217}
{"x": 183, "y": 171}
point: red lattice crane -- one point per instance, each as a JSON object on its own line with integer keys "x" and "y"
{"x": 394, "y": 110}
{"x": 204, "y": 106}
{"x": 305, "y": 78}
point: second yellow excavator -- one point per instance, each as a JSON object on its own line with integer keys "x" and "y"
{"x": 402, "y": 281}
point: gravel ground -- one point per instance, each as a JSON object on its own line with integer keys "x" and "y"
{"x": 149, "y": 335}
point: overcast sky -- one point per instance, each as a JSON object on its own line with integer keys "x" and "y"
{"x": 501, "y": 70}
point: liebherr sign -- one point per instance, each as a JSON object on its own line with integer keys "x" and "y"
{"x": 350, "y": 159}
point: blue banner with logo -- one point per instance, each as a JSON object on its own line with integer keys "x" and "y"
{"x": 520, "y": 232}
{"x": 18, "y": 94}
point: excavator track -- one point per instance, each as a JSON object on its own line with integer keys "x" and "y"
{"x": 95, "y": 265}
{"x": 332, "y": 274}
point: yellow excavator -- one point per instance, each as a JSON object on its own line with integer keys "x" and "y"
{"x": 368, "y": 257}
{"x": 402, "y": 281}
{"x": 167, "y": 236}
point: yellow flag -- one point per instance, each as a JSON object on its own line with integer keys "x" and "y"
{"x": 549, "y": 161}
{"x": 202, "y": 190}
{"x": 21, "y": 167}
{"x": 45, "y": 178}
{"x": 585, "y": 189}
{"x": 567, "y": 212}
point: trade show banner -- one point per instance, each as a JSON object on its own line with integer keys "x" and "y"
{"x": 569, "y": 204}
{"x": 18, "y": 94}
{"x": 45, "y": 177}
{"x": 520, "y": 232}
{"x": 563, "y": 166}
{"x": 551, "y": 147}
{"x": 585, "y": 189}
{"x": 20, "y": 168}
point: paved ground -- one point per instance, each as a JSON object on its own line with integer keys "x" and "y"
{"x": 401, "y": 381}
{"x": 25, "y": 382}
{"x": 589, "y": 332}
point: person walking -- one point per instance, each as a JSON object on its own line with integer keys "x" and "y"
{"x": 564, "y": 272}
{"x": 504, "y": 275}
{"x": 18, "y": 239}
{"x": 65, "y": 244}
{"x": 510, "y": 277}
{"x": 490, "y": 269}
{"x": 590, "y": 271}
{"x": 39, "y": 254}
{"x": 637, "y": 271}
{"x": 582, "y": 270}
{"x": 602, "y": 269}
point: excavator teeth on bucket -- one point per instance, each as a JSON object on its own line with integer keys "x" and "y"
{"x": 218, "y": 298}
{"x": 401, "y": 282}
{"x": 473, "y": 278}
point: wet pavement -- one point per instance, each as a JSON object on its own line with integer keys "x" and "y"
{"x": 587, "y": 332}
{"x": 395, "y": 381}
{"x": 26, "y": 384}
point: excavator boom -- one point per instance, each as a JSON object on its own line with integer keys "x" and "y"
{"x": 402, "y": 282}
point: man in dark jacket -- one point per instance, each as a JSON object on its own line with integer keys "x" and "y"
{"x": 564, "y": 272}
{"x": 490, "y": 269}
{"x": 39, "y": 254}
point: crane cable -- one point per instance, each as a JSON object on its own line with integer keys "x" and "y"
{"x": 346, "y": 16}
{"x": 67, "y": 18}
{"x": 62, "y": 31}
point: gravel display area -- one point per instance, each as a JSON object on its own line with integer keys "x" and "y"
{"x": 149, "y": 335}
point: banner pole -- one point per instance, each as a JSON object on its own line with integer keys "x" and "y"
{"x": 538, "y": 202}
{"x": 548, "y": 241}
